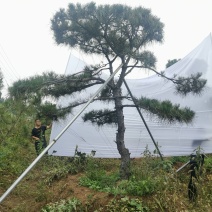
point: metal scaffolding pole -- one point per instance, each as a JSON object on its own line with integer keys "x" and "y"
{"x": 60, "y": 134}
{"x": 156, "y": 146}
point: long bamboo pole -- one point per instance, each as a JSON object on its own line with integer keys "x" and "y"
{"x": 60, "y": 134}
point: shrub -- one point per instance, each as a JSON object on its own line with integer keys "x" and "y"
{"x": 181, "y": 159}
{"x": 125, "y": 204}
{"x": 99, "y": 180}
{"x": 208, "y": 164}
{"x": 71, "y": 205}
{"x": 165, "y": 165}
{"x": 137, "y": 188}
{"x": 109, "y": 183}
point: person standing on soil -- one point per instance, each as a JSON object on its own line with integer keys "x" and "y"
{"x": 38, "y": 135}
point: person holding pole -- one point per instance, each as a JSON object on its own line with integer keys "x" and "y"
{"x": 38, "y": 135}
{"x": 18, "y": 180}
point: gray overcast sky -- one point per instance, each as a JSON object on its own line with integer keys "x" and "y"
{"x": 27, "y": 46}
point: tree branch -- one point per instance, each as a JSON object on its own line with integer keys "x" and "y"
{"x": 75, "y": 104}
{"x": 122, "y": 106}
{"x": 131, "y": 68}
{"x": 175, "y": 81}
{"x": 101, "y": 68}
{"x": 101, "y": 117}
{"x": 184, "y": 85}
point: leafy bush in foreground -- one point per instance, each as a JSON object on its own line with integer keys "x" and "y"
{"x": 125, "y": 204}
{"x": 108, "y": 183}
{"x": 116, "y": 205}
{"x": 71, "y": 205}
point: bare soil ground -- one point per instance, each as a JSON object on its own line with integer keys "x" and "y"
{"x": 63, "y": 189}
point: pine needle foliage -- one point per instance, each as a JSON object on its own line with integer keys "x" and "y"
{"x": 101, "y": 117}
{"x": 166, "y": 111}
{"x": 194, "y": 84}
{"x": 31, "y": 86}
{"x": 171, "y": 62}
{"x": 106, "y": 93}
{"x": 112, "y": 30}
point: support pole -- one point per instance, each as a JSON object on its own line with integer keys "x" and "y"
{"x": 60, "y": 134}
{"x": 143, "y": 119}
{"x": 183, "y": 166}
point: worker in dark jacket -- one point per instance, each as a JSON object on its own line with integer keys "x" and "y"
{"x": 38, "y": 135}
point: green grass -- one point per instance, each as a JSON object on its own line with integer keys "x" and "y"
{"x": 153, "y": 186}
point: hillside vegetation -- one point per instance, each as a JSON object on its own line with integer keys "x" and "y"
{"x": 84, "y": 183}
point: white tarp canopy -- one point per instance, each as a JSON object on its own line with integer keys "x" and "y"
{"x": 173, "y": 140}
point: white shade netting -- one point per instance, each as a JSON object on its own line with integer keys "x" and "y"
{"x": 173, "y": 139}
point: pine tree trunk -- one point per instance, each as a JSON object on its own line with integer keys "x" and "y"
{"x": 123, "y": 151}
